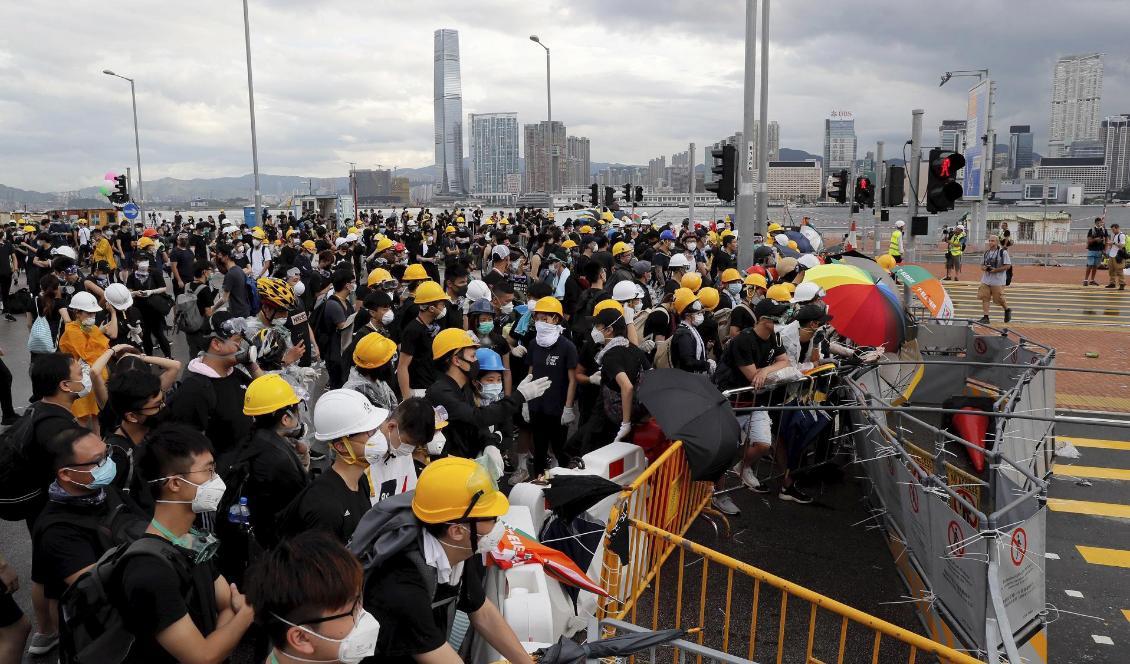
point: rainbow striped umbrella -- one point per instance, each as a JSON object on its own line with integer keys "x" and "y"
{"x": 866, "y": 312}
{"x": 927, "y": 289}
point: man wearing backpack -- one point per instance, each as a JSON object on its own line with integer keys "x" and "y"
{"x": 84, "y": 516}
{"x": 199, "y": 296}
{"x": 1116, "y": 258}
{"x": 237, "y": 295}
{"x": 172, "y": 599}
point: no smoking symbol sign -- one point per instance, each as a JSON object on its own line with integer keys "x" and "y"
{"x": 1019, "y": 546}
{"x": 980, "y": 346}
{"x": 913, "y": 498}
{"x": 955, "y": 537}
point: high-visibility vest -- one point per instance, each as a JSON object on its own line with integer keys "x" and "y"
{"x": 955, "y": 244}
{"x": 895, "y": 248}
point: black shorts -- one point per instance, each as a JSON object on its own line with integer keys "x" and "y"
{"x": 898, "y": 259}
{"x": 10, "y": 612}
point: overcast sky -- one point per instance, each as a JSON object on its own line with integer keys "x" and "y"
{"x": 351, "y": 80}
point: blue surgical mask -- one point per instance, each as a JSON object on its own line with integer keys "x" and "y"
{"x": 734, "y": 288}
{"x": 486, "y": 328}
{"x": 101, "y": 475}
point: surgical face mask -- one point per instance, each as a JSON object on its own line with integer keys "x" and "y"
{"x": 597, "y": 336}
{"x": 697, "y": 319}
{"x": 376, "y": 447}
{"x": 691, "y": 246}
{"x": 734, "y": 288}
{"x": 491, "y": 540}
{"x": 256, "y": 243}
{"x": 491, "y": 392}
{"x": 101, "y": 476}
{"x": 546, "y": 333}
{"x": 441, "y": 313}
{"x": 87, "y": 385}
{"x": 361, "y": 642}
{"x": 299, "y": 288}
{"x": 507, "y": 308}
{"x": 87, "y": 323}
{"x": 388, "y": 316}
{"x": 485, "y": 328}
{"x": 208, "y": 494}
{"x": 279, "y": 322}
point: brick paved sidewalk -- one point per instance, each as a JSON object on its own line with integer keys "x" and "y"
{"x": 1026, "y": 274}
{"x": 1086, "y": 391}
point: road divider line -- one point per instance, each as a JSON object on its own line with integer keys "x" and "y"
{"x": 1091, "y": 472}
{"x": 1097, "y": 443}
{"x": 1089, "y": 508}
{"x": 1097, "y": 555}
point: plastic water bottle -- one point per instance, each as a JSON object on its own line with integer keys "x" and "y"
{"x": 240, "y": 513}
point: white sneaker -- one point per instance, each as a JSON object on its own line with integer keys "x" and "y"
{"x": 41, "y": 644}
{"x": 749, "y": 479}
{"x": 724, "y": 504}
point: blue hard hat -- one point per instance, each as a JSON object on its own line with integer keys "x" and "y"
{"x": 489, "y": 360}
{"x": 481, "y": 307}
{"x": 667, "y": 235}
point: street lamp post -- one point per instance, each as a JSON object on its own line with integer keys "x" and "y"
{"x": 136, "y": 139}
{"x": 251, "y": 103}
{"x": 552, "y": 154}
{"x": 981, "y": 205}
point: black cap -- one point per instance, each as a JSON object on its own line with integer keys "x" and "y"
{"x": 768, "y": 307}
{"x": 812, "y": 312}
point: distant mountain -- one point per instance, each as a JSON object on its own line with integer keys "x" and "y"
{"x": 11, "y": 198}
{"x": 789, "y": 154}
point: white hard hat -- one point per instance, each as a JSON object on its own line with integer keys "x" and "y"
{"x": 477, "y": 290}
{"x": 119, "y": 297}
{"x": 340, "y": 241}
{"x": 624, "y": 291}
{"x": 900, "y": 223}
{"x": 341, "y": 413}
{"x": 677, "y": 261}
{"x": 65, "y": 251}
{"x": 782, "y": 239}
{"x": 960, "y": 227}
{"x": 808, "y": 261}
{"x": 806, "y": 292}
{"x": 83, "y": 301}
{"x": 352, "y": 237}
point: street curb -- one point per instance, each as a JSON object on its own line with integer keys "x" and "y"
{"x": 1105, "y": 414}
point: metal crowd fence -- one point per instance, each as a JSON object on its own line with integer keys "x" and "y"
{"x": 743, "y": 612}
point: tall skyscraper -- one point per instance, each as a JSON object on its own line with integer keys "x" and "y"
{"x": 577, "y": 163}
{"x": 951, "y": 135}
{"x": 1019, "y": 148}
{"x": 1077, "y": 94}
{"x": 494, "y": 150}
{"x": 656, "y": 172}
{"x": 839, "y": 144}
{"x": 1115, "y": 136}
{"x": 538, "y": 141}
{"x": 448, "y": 96}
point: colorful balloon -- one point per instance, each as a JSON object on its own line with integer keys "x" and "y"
{"x": 104, "y": 190}
{"x": 110, "y": 175}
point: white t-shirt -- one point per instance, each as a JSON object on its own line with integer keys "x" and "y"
{"x": 995, "y": 259}
{"x": 1117, "y": 241}
{"x": 260, "y": 256}
{"x": 393, "y": 476}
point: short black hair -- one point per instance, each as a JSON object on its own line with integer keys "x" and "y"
{"x": 539, "y": 289}
{"x": 47, "y": 371}
{"x": 61, "y": 446}
{"x": 168, "y": 450}
{"x": 223, "y": 249}
{"x": 503, "y": 286}
{"x": 199, "y": 268}
{"x": 341, "y": 278}
{"x": 301, "y": 579}
{"x": 592, "y": 271}
{"x": 455, "y": 271}
{"x": 416, "y": 418}
{"x": 130, "y": 389}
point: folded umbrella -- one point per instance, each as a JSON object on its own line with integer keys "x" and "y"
{"x": 568, "y": 496}
{"x": 517, "y": 548}
{"x": 567, "y": 651}
{"x": 688, "y": 407}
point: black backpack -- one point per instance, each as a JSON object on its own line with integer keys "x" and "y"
{"x": 19, "y": 302}
{"x": 24, "y": 470}
{"x": 92, "y": 629}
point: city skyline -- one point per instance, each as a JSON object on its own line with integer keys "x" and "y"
{"x": 448, "y": 109}
{"x": 322, "y": 104}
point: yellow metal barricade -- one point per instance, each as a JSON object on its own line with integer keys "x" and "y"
{"x": 663, "y": 495}
{"x": 740, "y": 608}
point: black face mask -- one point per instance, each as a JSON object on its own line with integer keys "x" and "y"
{"x": 473, "y": 370}
{"x": 461, "y": 291}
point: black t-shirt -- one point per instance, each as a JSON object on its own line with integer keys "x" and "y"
{"x": 1096, "y": 238}
{"x": 416, "y": 340}
{"x": 214, "y": 406}
{"x": 185, "y": 260}
{"x": 749, "y": 349}
{"x": 62, "y": 549}
{"x": 396, "y": 595}
{"x": 328, "y": 504}
{"x": 627, "y": 359}
{"x": 239, "y": 300}
{"x": 155, "y": 598}
{"x": 741, "y": 317}
{"x": 199, "y": 246}
{"x": 658, "y": 323}
{"x": 5, "y": 258}
{"x": 298, "y": 324}
{"x": 556, "y": 362}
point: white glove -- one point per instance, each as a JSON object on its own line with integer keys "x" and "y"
{"x": 526, "y": 412}
{"x": 518, "y": 351}
{"x": 623, "y": 432}
{"x": 491, "y": 460}
{"x": 532, "y": 389}
{"x": 252, "y": 355}
{"x": 871, "y": 356}
{"x": 647, "y": 345}
{"x": 629, "y": 315}
{"x": 594, "y": 378}
{"x": 568, "y": 415}
{"x": 712, "y": 365}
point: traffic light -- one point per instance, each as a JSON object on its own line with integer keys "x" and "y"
{"x": 864, "y": 191}
{"x": 627, "y": 192}
{"x": 594, "y": 195}
{"x": 639, "y": 194}
{"x": 838, "y": 190}
{"x": 609, "y": 197}
{"x": 893, "y": 186}
{"x": 725, "y": 167}
{"x": 120, "y": 194}
{"x": 942, "y": 187}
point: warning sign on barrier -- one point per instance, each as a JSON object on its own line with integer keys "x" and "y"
{"x": 959, "y": 578}
{"x": 914, "y": 511}
{"x": 1021, "y": 577}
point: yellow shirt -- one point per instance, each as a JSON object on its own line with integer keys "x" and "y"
{"x": 104, "y": 252}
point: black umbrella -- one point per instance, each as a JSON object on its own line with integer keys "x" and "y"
{"x": 567, "y": 651}
{"x": 568, "y": 496}
{"x": 688, "y": 407}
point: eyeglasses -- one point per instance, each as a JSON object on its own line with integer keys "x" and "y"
{"x": 351, "y": 612}
{"x": 102, "y": 458}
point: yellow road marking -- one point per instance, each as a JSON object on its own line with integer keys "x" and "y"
{"x": 1098, "y": 443}
{"x": 1092, "y": 472}
{"x": 1090, "y": 508}
{"x": 1126, "y": 613}
{"x": 1099, "y": 556}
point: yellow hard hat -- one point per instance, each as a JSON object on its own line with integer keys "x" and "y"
{"x": 757, "y": 280}
{"x": 790, "y": 286}
{"x": 414, "y": 272}
{"x": 291, "y": 231}
{"x": 449, "y": 229}
{"x": 83, "y": 222}
{"x": 586, "y": 229}
{"x": 276, "y": 291}
{"x": 309, "y": 245}
{"x": 691, "y": 281}
{"x": 266, "y": 394}
{"x": 620, "y": 248}
{"x": 886, "y": 261}
{"x": 430, "y": 291}
{"x": 352, "y": 230}
{"x": 709, "y": 297}
{"x": 451, "y": 339}
{"x": 549, "y": 305}
{"x": 793, "y": 245}
{"x": 374, "y": 350}
{"x": 568, "y": 244}
{"x": 607, "y": 216}
{"x": 778, "y": 293}
{"x": 384, "y": 244}
{"x": 607, "y": 304}
{"x": 145, "y": 243}
{"x": 378, "y": 275}
{"x": 258, "y": 233}
{"x": 731, "y": 274}
{"x": 29, "y": 229}
{"x": 726, "y": 234}
{"x": 774, "y": 227}
{"x": 503, "y": 222}
{"x": 455, "y": 489}
{"x": 489, "y": 222}
{"x": 684, "y": 297}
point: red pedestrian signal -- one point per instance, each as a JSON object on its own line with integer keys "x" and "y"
{"x": 942, "y": 188}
